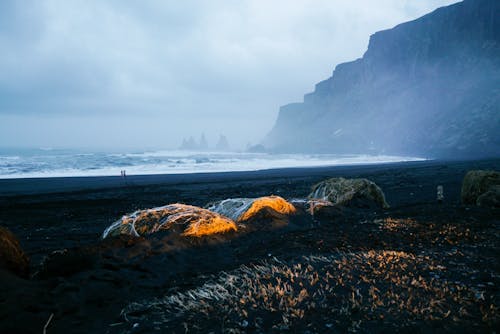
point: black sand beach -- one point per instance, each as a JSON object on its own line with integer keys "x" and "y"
{"x": 420, "y": 266}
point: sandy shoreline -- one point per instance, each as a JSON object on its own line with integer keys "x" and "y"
{"x": 88, "y": 292}
{"x": 33, "y": 186}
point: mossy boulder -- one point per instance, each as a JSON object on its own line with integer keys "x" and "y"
{"x": 12, "y": 257}
{"x": 349, "y": 192}
{"x": 481, "y": 187}
{"x": 491, "y": 198}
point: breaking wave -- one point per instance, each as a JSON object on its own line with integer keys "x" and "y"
{"x": 64, "y": 163}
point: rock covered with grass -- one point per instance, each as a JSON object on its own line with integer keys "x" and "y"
{"x": 245, "y": 209}
{"x": 187, "y": 220}
{"x": 349, "y": 192}
{"x": 481, "y": 187}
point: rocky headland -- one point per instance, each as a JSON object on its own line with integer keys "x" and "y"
{"x": 427, "y": 88}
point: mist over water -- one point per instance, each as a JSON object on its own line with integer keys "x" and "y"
{"x": 67, "y": 163}
{"x": 121, "y": 74}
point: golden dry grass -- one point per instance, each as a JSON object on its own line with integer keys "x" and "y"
{"x": 395, "y": 224}
{"x": 196, "y": 221}
{"x": 276, "y": 203}
{"x": 209, "y": 225}
{"x": 350, "y": 291}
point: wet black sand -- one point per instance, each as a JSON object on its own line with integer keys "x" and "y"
{"x": 88, "y": 289}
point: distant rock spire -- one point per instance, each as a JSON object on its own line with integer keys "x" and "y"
{"x": 184, "y": 144}
{"x": 188, "y": 144}
{"x": 222, "y": 144}
{"x": 203, "y": 143}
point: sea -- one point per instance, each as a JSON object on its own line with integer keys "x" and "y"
{"x": 48, "y": 162}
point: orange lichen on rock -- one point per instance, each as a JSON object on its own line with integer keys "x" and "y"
{"x": 275, "y": 203}
{"x": 194, "y": 221}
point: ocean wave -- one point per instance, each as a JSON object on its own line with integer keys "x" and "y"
{"x": 168, "y": 162}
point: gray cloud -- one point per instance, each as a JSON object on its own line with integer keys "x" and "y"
{"x": 179, "y": 68}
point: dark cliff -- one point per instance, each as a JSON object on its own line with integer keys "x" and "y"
{"x": 429, "y": 87}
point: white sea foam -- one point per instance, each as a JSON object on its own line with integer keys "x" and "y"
{"x": 60, "y": 164}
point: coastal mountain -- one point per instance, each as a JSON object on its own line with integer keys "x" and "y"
{"x": 428, "y": 88}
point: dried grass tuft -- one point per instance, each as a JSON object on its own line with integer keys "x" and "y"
{"x": 349, "y": 289}
{"x": 276, "y": 203}
{"x": 195, "y": 221}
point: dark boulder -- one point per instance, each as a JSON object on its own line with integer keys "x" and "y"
{"x": 64, "y": 263}
{"x": 12, "y": 257}
{"x": 480, "y": 187}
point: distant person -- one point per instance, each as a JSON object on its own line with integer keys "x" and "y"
{"x": 121, "y": 173}
{"x": 124, "y": 173}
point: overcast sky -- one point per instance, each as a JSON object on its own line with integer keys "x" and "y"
{"x": 145, "y": 74}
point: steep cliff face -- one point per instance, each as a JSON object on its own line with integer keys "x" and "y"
{"x": 429, "y": 87}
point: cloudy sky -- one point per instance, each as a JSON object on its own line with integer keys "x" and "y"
{"x": 145, "y": 74}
